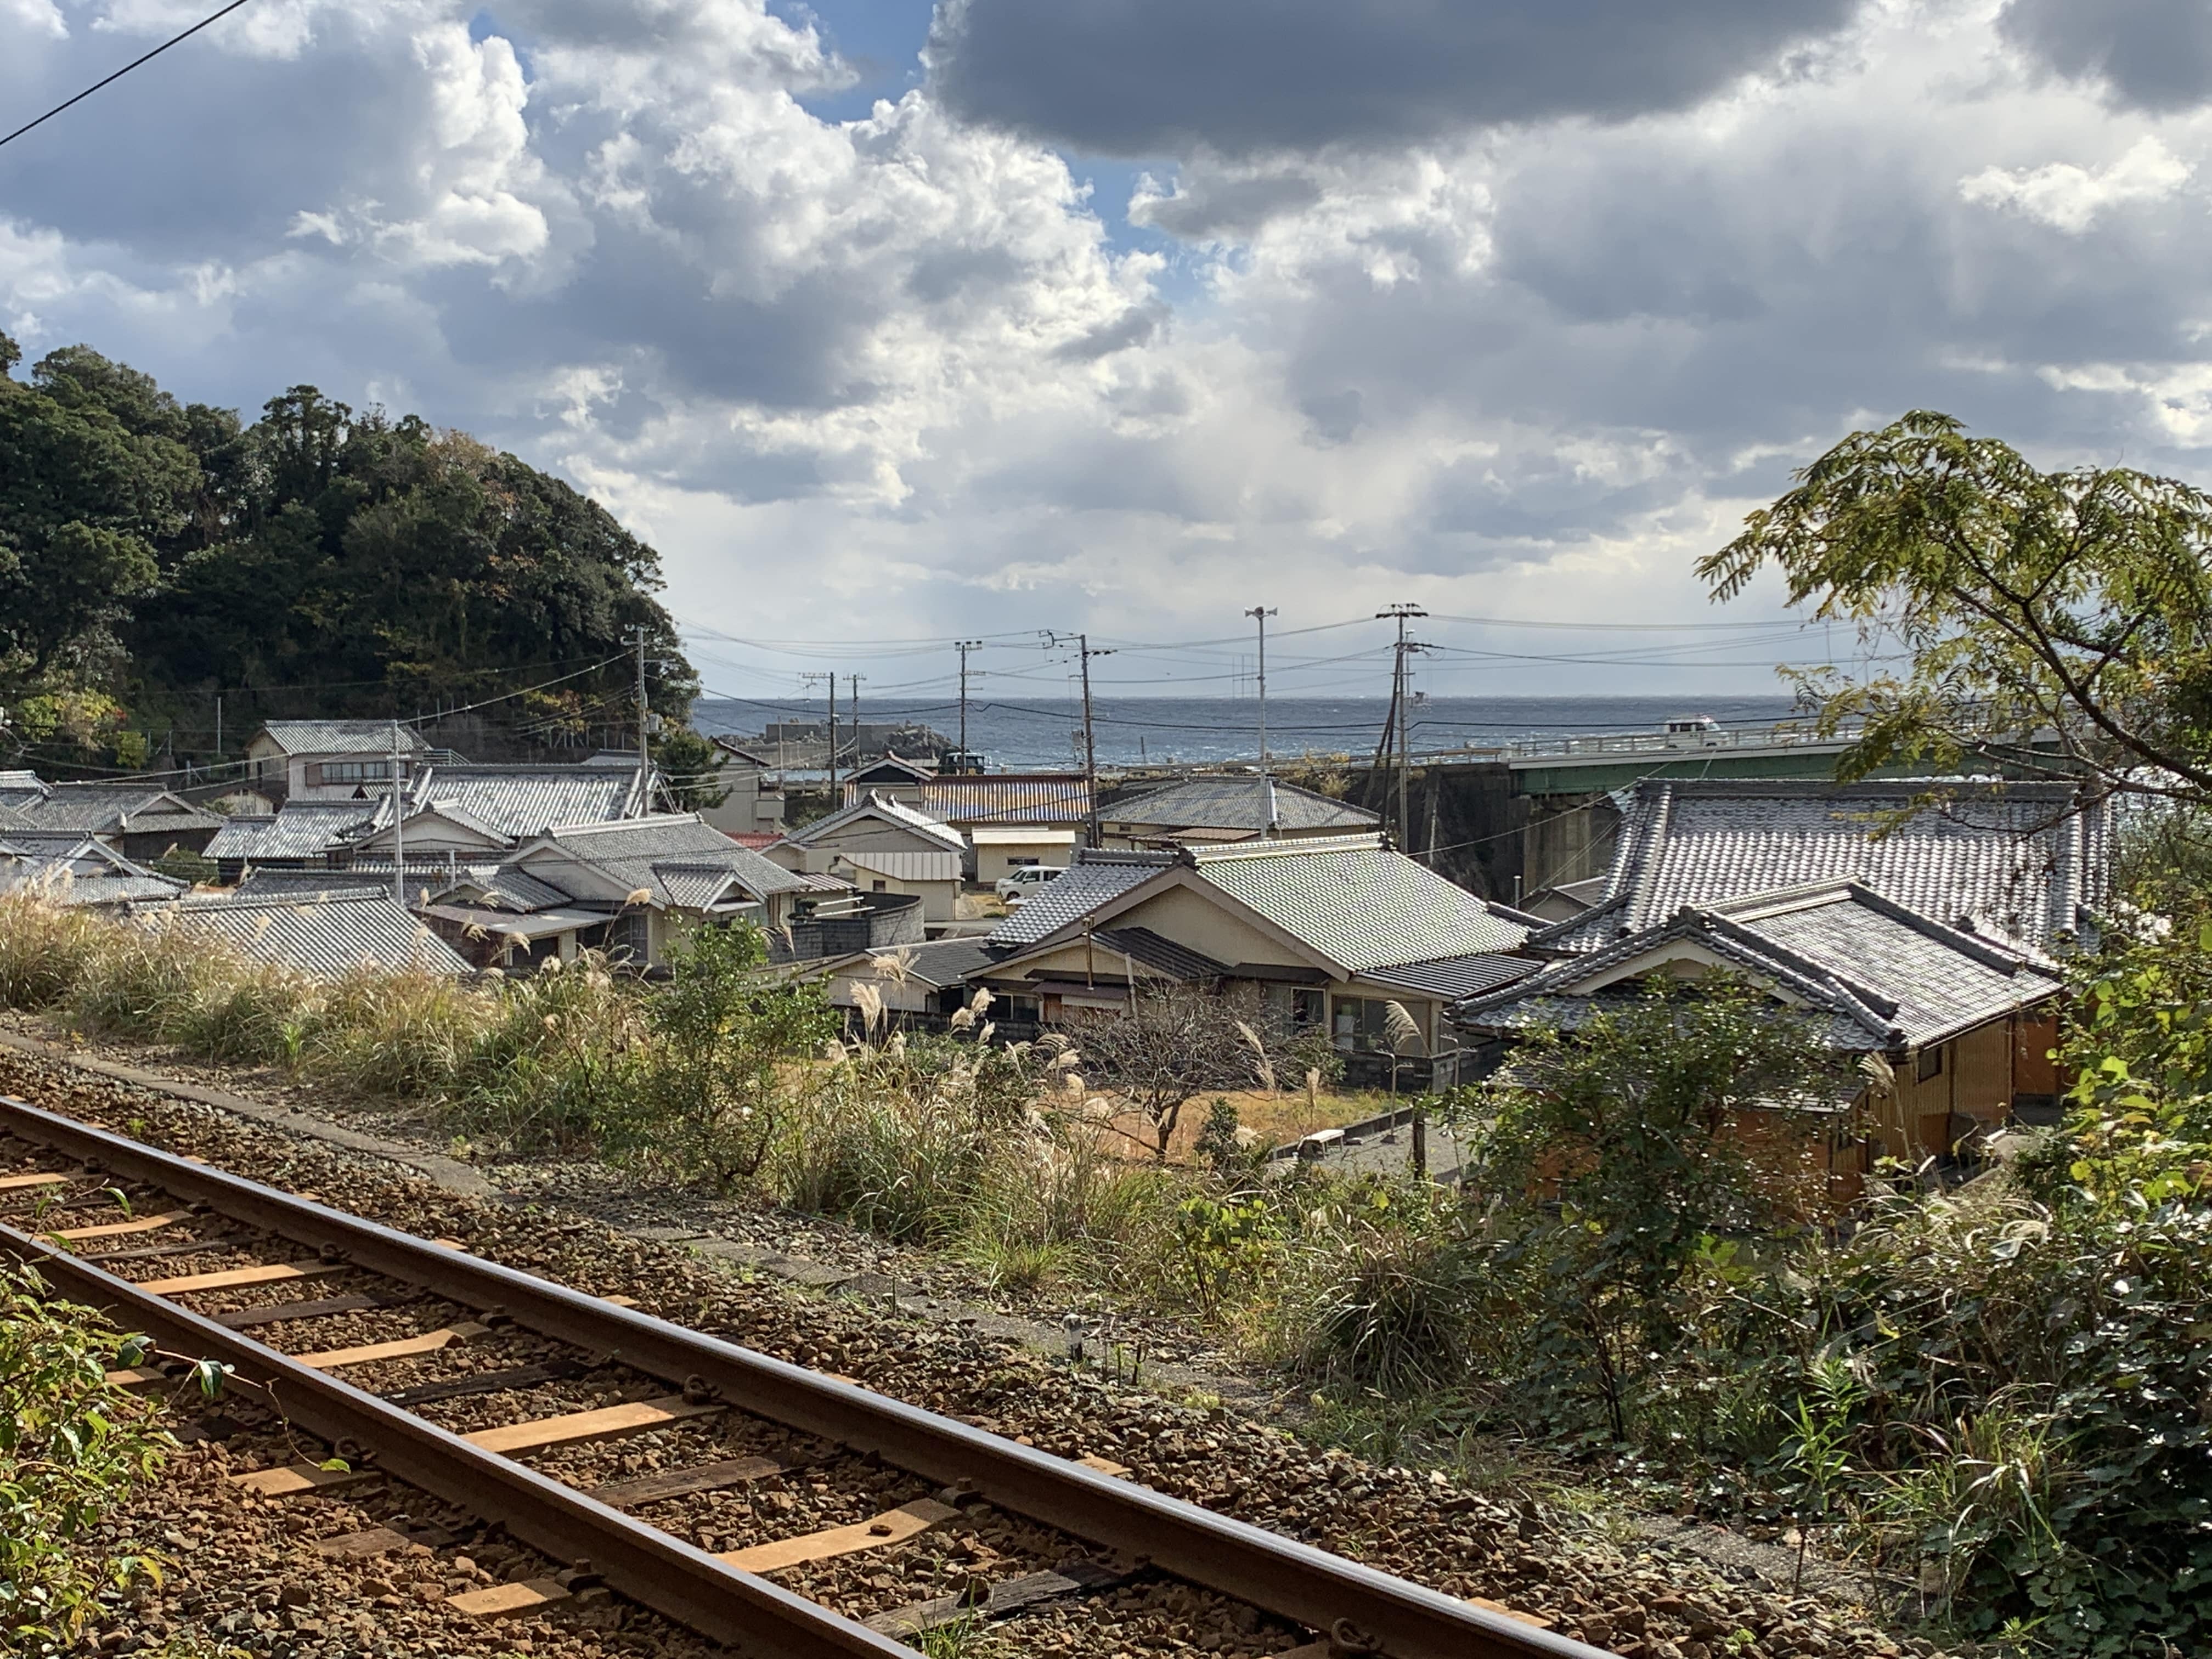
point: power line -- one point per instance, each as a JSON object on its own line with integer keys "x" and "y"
{"x": 125, "y": 69}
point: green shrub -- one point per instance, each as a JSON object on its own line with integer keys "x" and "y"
{"x": 71, "y": 1448}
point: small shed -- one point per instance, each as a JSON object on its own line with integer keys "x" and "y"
{"x": 934, "y": 877}
{"x": 1002, "y": 849}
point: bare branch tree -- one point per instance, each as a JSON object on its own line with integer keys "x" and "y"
{"x": 1176, "y": 1043}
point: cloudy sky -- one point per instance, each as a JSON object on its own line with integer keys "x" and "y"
{"x": 892, "y": 323}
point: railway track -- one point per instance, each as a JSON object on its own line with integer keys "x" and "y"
{"x": 646, "y": 1459}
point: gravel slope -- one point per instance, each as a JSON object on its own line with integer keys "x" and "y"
{"x": 1645, "y": 1602}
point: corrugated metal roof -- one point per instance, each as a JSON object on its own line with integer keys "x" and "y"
{"x": 1884, "y": 973}
{"x": 1007, "y": 798}
{"x": 341, "y": 736}
{"x": 1355, "y": 902}
{"x": 114, "y": 809}
{"x": 300, "y": 829}
{"x": 1092, "y": 880}
{"x": 2019, "y": 857}
{"x": 900, "y": 865}
{"x": 325, "y": 937}
{"x": 897, "y": 812}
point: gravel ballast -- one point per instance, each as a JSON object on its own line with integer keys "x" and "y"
{"x": 1646, "y": 1602}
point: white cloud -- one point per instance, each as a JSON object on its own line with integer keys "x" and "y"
{"x": 2070, "y": 197}
{"x": 897, "y": 375}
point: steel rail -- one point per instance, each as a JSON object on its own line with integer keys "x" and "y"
{"x": 1362, "y": 1611}
{"x": 745, "y": 1613}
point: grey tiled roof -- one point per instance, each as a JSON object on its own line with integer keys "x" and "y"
{"x": 1007, "y": 798}
{"x": 262, "y": 881}
{"x": 342, "y": 737}
{"x": 111, "y": 808}
{"x": 300, "y": 829}
{"x": 634, "y": 850}
{"x": 325, "y": 937}
{"x": 1236, "y": 801}
{"x": 909, "y": 818}
{"x": 1453, "y": 977}
{"x": 1356, "y": 902}
{"x": 76, "y": 872}
{"x": 1174, "y": 960}
{"x": 1883, "y": 974}
{"x": 941, "y": 964}
{"x": 1093, "y": 879}
{"x": 17, "y": 788}
{"x": 524, "y": 800}
{"x": 902, "y": 866}
{"x": 2015, "y": 857}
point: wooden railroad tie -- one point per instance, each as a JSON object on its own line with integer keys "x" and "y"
{"x": 504, "y": 1601}
{"x": 245, "y": 1319}
{"x": 459, "y": 1387}
{"x": 403, "y": 1347}
{"x": 683, "y": 1483}
{"x": 16, "y": 1183}
{"x": 997, "y": 1600}
{"x": 298, "y": 1478}
{"x": 892, "y": 1527}
{"x": 144, "y": 1224}
{"x": 230, "y": 1278}
{"x": 174, "y": 1247}
{"x": 580, "y": 1428}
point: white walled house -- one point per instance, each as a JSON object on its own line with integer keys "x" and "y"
{"x": 330, "y": 760}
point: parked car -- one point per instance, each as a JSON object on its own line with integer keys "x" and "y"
{"x": 1016, "y": 885}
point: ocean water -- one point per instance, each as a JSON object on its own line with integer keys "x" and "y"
{"x": 1041, "y": 734}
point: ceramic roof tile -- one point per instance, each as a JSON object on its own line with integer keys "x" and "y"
{"x": 300, "y": 829}
{"x": 1883, "y": 973}
{"x": 1092, "y": 880}
{"x": 909, "y": 818}
{"x": 1236, "y": 801}
{"x": 523, "y": 800}
{"x": 325, "y": 936}
{"x": 2016, "y": 857}
{"x": 1357, "y": 902}
{"x": 342, "y": 737}
{"x": 1007, "y": 797}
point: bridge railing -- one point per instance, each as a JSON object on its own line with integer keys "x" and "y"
{"x": 1785, "y": 734}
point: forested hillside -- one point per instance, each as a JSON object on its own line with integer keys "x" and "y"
{"x": 155, "y": 555}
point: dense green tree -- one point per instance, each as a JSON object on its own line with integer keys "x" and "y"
{"x": 2061, "y": 620}
{"x": 320, "y": 562}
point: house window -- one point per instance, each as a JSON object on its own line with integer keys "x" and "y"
{"x": 630, "y": 937}
{"x": 1929, "y": 1065}
{"x": 1028, "y": 1009}
{"x": 1016, "y": 861}
{"x": 880, "y": 886}
{"x": 1361, "y": 1027}
{"x": 373, "y": 771}
{"x": 1306, "y": 1007}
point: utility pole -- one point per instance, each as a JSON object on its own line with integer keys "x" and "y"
{"x": 1090, "y": 733}
{"x": 832, "y": 679}
{"x": 1260, "y": 614}
{"x": 398, "y": 827}
{"x": 1401, "y": 614}
{"x": 855, "y": 679}
{"x": 644, "y": 753}
{"x": 964, "y": 646}
{"x": 218, "y": 726}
